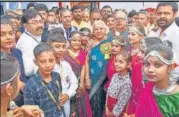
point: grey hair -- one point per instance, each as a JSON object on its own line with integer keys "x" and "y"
{"x": 64, "y": 10}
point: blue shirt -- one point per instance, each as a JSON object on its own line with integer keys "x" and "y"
{"x": 36, "y": 94}
{"x": 71, "y": 29}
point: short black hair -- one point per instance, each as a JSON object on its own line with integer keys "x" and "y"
{"x": 177, "y": 21}
{"x": 56, "y": 9}
{"x": 41, "y": 7}
{"x": 29, "y": 14}
{"x": 56, "y": 35}
{"x": 143, "y": 12}
{"x": 63, "y": 10}
{"x": 51, "y": 10}
{"x": 43, "y": 47}
{"x": 174, "y": 5}
{"x": 109, "y": 16}
{"x": 31, "y": 4}
{"x": 76, "y": 7}
{"x": 106, "y": 6}
{"x": 95, "y": 10}
{"x": 132, "y": 13}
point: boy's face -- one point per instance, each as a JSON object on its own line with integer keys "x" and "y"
{"x": 7, "y": 36}
{"x": 46, "y": 62}
{"x": 60, "y": 48}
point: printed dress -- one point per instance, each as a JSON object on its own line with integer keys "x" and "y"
{"x": 118, "y": 94}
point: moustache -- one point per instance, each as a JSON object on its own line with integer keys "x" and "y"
{"x": 39, "y": 28}
{"x": 162, "y": 20}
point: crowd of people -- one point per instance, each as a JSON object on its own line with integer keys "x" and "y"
{"x": 82, "y": 62}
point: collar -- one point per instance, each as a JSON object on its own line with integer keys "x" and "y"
{"x": 40, "y": 79}
{"x": 36, "y": 37}
{"x": 170, "y": 29}
{"x": 68, "y": 29}
{"x": 78, "y": 23}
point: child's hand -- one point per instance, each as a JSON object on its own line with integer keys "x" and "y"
{"x": 62, "y": 99}
{"x": 80, "y": 91}
{"x": 32, "y": 111}
{"x": 108, "y": 113}
{"x": 17, "y": 112}
{"x": 126, "y": 115}
{"x": 88, "y": 83}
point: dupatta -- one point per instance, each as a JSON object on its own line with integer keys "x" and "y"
{"x": 147, "y": 105}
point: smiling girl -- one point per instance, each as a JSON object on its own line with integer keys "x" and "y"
{"x": 162, "y": 96}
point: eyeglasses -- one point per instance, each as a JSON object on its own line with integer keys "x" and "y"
{"x": 119, "y": 19}
{"x": 35, "y": 22}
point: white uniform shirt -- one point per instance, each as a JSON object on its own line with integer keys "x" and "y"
{"x": 26, "y": 43}
{"x": 68, "y": 80}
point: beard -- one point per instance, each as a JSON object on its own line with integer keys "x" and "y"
{"x": 164, "y": 23}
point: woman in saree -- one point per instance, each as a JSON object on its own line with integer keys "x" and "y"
{"x": 76, "y": 56}
{"x": 117, "y": 45}
{"x": 138, "y": 79}
{"x": 162, "y": 95}
{"x": 98, "y": 59}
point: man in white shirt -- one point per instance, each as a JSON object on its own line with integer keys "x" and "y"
{"x": 34, "y": 25}
{"x": 168, "y": 30}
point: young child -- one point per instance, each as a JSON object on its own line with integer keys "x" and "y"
{"x": 117, "y": 44}
{"x": 68, "y": 78}
{"x": 161, "y": 97}
{"x": 119, "y": 90}
{"x": 86, "y": 41}
{"x": 76, "y": 56}
{"x": 44, "y": 87}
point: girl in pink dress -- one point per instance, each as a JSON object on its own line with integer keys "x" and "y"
{"x": 138, "y": 79}
{"x": 117, "y": 44}
{"x": 76, "y": 56}
{"x": 135, "y": 35}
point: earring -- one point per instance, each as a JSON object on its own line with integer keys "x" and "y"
{"x": 12, "y": 104}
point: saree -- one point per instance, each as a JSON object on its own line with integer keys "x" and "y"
{"x": 147, "y": 105}
{"x": 80, "y": 105}
{"x": 98, "y": 63}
